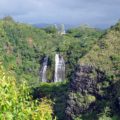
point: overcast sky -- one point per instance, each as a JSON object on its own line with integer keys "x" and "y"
{"x": 97, "y": 13}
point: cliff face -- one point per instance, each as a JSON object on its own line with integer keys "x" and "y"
{"x": 88, "y": 86}
{"x": 95, "y": 91}
{"x": 85, "y": 79}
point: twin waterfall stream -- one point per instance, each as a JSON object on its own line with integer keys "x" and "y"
{"x": 59, "y": 74}
{"x": 44, "y": 70}
{"x": 59, "y": 68}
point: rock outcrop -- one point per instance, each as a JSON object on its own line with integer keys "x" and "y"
{"x": 85, "y": 89}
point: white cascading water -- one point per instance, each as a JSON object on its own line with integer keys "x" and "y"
{"x": 59, "y": 68}
{"x": 44, "y": 69}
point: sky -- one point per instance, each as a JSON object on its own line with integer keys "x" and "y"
{"x": 96, "y": 13}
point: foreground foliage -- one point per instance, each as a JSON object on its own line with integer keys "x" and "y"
{"x": 57, "y": 92}
{"x": 16, "y": 102}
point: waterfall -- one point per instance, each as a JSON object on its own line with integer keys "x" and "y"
{"x": 59, "y": 68}
{"x": 44, "y": 69}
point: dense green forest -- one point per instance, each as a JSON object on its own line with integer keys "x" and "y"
{"x": 24, "y": 46}
{"x": 95, "y": 87}
{"x": 91, "y": 89}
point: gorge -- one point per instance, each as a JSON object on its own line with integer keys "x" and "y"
{"x": 77, "y": 74}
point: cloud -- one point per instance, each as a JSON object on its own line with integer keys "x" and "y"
{"x": 100, "y": 13}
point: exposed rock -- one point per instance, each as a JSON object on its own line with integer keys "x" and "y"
{"x": 84, "y": 90}
{"x": 86, "y": 78}
{"x": 119, "y": 101}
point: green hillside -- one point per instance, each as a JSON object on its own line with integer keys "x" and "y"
{"x": 91, "y": 89}
{"x": 95, "y": 88}
{"x": 23, "y": 48}
{"x": 106, "y": 53}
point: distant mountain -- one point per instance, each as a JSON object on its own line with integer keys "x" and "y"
{"x": 43, "y": 25}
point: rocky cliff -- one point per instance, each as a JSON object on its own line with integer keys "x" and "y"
{"x": 88, "y": 87}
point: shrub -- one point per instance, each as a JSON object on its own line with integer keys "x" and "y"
{"x": 16, "y": 102}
